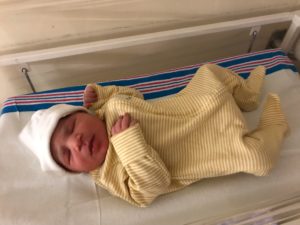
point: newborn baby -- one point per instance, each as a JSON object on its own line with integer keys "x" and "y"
{"x": 139, "y": 149}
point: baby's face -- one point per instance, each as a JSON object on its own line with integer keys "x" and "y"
{"x": 79, "y": 142}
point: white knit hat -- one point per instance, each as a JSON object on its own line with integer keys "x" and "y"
{"x": 37, "y": 133}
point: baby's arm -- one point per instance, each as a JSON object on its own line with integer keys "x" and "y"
{"x": 96, "y": 95}
{"x": 144, "y": 175}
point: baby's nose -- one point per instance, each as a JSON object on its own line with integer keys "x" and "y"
{"x": 76, "y": 142}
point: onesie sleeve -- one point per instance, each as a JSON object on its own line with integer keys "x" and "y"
{"x": 104, "y": 93}
{"x": 146, "y": 174}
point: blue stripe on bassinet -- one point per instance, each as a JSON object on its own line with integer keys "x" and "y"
{"x": 152, "y": 85}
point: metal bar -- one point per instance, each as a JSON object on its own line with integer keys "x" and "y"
{"x": 97, "y": 46}
{"x": 253, "y": 38}
{"x": 292, "y": 33}
{"x": 25, "y": 72}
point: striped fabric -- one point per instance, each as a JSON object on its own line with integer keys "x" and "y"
{"x": 152, "y": 85}
{"x": 198, "y": 133}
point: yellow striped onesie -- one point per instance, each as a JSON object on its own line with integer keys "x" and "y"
{"x": 198, "y": 133}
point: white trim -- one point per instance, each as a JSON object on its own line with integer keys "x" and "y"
{"x": 292, "y": 33}
{"x": 97, "y": 46}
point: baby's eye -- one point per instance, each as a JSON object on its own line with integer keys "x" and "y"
{"x": 71, "y": 126}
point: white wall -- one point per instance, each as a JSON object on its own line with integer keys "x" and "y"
{"x": 35, "y": 24}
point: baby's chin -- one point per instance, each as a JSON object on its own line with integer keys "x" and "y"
{"x": 91, "y": 168}
{"x": 99, "y": 158}
{"x": 94, "y": 167}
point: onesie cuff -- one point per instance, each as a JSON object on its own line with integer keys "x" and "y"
{"x": 130, "y": 144}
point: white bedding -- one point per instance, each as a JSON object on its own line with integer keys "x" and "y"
{"x": 28, "y": 196}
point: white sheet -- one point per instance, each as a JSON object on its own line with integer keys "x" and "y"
{"x": 28, "y": 196}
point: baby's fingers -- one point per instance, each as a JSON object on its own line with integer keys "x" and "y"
{"x": 122, "y": 123}
{"x": 133, "y": 122}
{"x": 117, "y": 127}
{"x": 89, "y": 90}
{"x": 89, "y": 96}
{"x": 125, "y": 121}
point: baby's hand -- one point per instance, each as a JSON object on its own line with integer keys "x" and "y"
{"x": 122, "y": 124}
{"x": 89, "y": 96}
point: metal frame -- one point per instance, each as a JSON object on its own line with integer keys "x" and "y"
{"x": 104, "y": 45}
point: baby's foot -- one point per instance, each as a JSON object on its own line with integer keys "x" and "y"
{"x": 256, "y": 79}
{"x": 272, "y": 114}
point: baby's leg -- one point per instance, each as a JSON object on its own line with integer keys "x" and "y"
{"x": 245, "y": 92}
{"x": 264, "y": 143}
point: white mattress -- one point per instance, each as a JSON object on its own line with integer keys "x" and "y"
{"x": 28, "y": 196}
